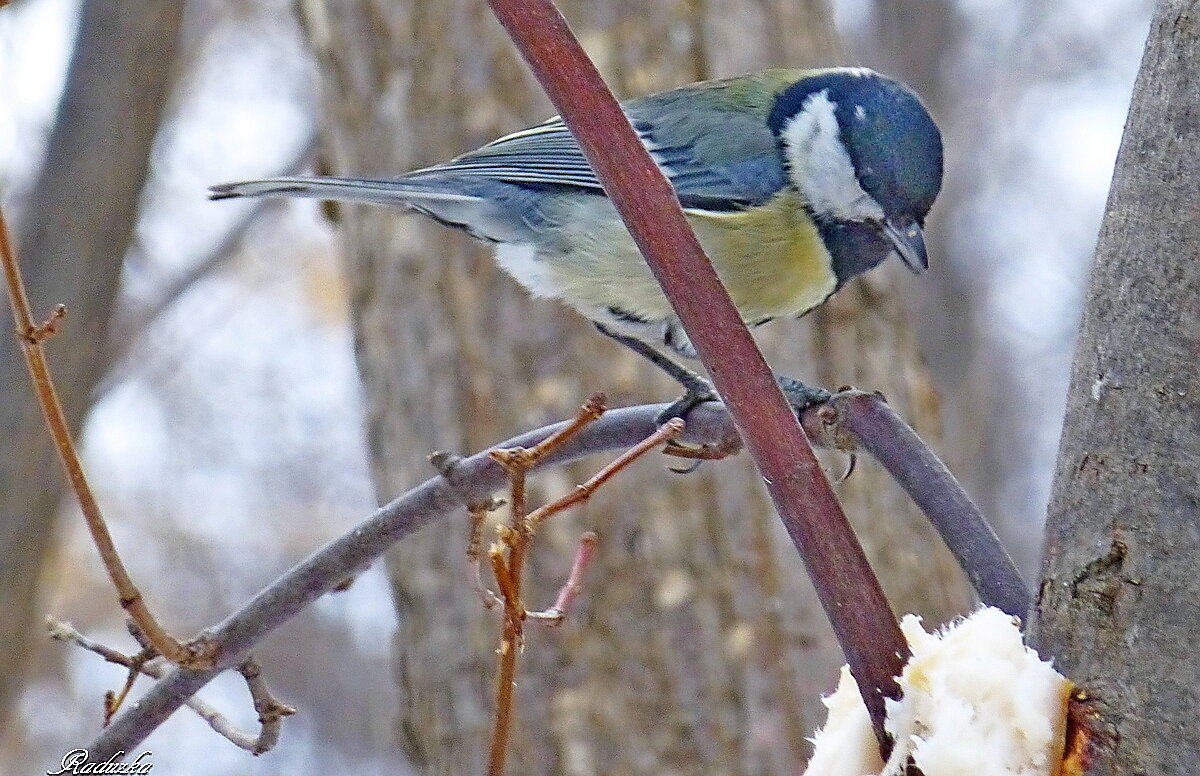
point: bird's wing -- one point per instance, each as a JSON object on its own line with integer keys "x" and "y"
{"x": 543, "y": 155}
{"x": 717, "y": 158}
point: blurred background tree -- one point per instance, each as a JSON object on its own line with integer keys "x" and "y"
{"x": 229, "y": 435}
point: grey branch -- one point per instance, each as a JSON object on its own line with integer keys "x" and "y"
{"x": 874, "y": 426}
{"x": 473, "y": 480}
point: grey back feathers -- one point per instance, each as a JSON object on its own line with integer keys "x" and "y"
{"x": 716, "y": 158}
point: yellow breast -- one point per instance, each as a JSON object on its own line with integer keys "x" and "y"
{"x": 771, "y": 259}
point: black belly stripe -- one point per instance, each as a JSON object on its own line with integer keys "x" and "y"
{"x": 628, "y": 317}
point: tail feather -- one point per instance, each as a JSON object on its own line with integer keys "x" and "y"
{"x": 490, "y": 210}
{"x": 382, "y": 192}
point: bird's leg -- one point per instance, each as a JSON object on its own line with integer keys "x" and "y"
{"x": 697, "y": 390}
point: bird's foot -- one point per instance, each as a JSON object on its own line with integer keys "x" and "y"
{"x": 799, "y": 395}
{"x": 696, "y": 392}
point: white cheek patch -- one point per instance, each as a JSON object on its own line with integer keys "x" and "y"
{"x": 820, "y": 166}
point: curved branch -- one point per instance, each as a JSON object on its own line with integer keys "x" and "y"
{"x": 855, "y": 419}
{"x": 851, "y": 419}
{"x": 467, "y": 480}
{"x": 79, "y": 218}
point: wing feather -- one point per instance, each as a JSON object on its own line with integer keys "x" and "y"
{"x": 717, "y": 159}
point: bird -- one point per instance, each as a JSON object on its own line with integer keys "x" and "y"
{"x": 795, "y": 182}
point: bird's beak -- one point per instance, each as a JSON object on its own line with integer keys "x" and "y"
{"x": 909, "y": 242}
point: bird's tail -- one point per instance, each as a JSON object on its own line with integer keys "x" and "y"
{"x": 381, "y": 192}
{"x": 466, "y": 204}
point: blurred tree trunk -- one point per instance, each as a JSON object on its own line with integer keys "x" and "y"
{"x": 698, "y": 644}
{"x": 1120, "y": 601}
{"x": 79, "y": 221}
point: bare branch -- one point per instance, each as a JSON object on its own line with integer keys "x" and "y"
{"x": 470, "y": 480}
{"x": 511, "y": 638}
{"x": 517, "y": 537}
{"x": 79, "y": 217}
{"x": 30, "y": 336}
{"x": 474, "y": 555}
{"x": 114, "y": 700}
{"x": 269, "y": 710}
{"x": 583, "y": 492}
{"x": 571, "y": 589}
{"x": 474, "y": 480}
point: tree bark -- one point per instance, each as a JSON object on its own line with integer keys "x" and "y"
{"x": 1119, "y": 607}
{"x": 697, "y": 644}
{"x": 79, "y": 220}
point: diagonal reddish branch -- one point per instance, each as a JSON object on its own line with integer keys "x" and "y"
{"x": 849, "y": 591}
{"x": 583, "y": 492}
{"x": 31, "y": 335}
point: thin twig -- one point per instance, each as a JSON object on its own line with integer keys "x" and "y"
{"x": 487, "y": 596}
{"x": 446, "y": 465}
{"x": 517, "y": 461}
{"x": 114, "y": 700}
{"x": 155, "y": 668}
{"x": 31, "y": 336}
{"x": 571, "y": 589}
{"x": 666, "y": 433}
{"x": 591, "y": 411}
{"x": 517, "y": 537}
{"x": 270, "y": 711}
{"x": 507, "y": 668}
{"x": 477, "y": 515}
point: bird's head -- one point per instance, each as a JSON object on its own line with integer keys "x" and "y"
{"x": 867, "y": 159}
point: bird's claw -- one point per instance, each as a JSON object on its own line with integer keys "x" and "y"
{"x": 697, "y": 393}
{"x": 691, "y": 399}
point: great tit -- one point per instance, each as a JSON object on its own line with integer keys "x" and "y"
{"x": 795, "y": 181}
